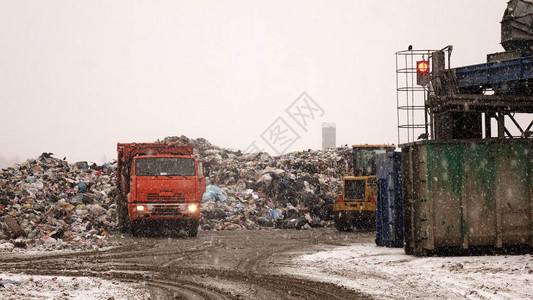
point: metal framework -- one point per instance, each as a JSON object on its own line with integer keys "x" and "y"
{"x": 479, "y": 101}
{"x": 504, "y": 110}
{"x": 412, "y": 118}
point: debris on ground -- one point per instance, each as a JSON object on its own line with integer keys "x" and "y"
{"x": 256, "y": 190}
{"x": 49, "y": 203}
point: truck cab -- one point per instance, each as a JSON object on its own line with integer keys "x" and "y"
{"x": 164, "y": 186}
{"x": 159, "y": 184}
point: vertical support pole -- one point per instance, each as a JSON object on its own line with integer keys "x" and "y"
{"x": 432, "y": 124}
{"x": 488, "y": 129}
{"x": 426, "y": 112}
{"x": 501, "y": 125}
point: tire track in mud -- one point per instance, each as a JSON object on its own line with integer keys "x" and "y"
{"x": 189, "y": 290}
{"x": 182, "y": 289}
{"x": 182, "y": 268}
{"x": 266, "y": 286}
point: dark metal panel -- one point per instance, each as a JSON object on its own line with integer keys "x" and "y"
{"x": 481, "y": 168}
{"x": 479, "y": 193}
{"x": 446, "y": 172}
{"x": 481, "y": 103}
{"x": 389, "y": 212}
{"x": 422, "y": 207}
{"x": 458, "y": 125}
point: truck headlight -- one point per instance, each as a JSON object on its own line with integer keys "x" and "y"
{"x": 140, "y": 208}
{"x": 192, "y": 207}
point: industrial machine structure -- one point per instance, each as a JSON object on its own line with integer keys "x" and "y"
{"x": 159, "y": 185}
{"x": 356, "y": 207}
{"x": 467, "y": 155}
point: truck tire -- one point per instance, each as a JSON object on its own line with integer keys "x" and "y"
{"x": 192, "y": 228}
{"x": 343, "y": 224}
{"x": 339, "y": 224}
{"x": 136, "y": 229}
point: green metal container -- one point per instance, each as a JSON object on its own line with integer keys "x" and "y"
{"x": 467, "y": 193}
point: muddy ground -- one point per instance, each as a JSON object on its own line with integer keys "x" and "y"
{"x": 214, "y": 265}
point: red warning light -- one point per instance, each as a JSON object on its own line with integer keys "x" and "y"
{"x": 422, "y": 72}
{"x": 423, "y": 66}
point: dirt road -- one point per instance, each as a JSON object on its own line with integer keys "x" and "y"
{"x": 215, "y": 265}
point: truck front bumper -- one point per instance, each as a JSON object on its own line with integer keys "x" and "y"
{"x": 354, "y": 206}
{"x": 147, "y": 211}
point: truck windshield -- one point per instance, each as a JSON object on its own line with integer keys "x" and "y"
{"x": 164, "y": 166}
{"x": 364, "y": 161}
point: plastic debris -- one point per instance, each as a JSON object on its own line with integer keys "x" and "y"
{"x": 256, "y": 190}
{"x": 214, "y": 193}
{"x": 49, "y": 203}
{"x": 8, "y": 281}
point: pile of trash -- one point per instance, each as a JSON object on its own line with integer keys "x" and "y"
{"x": 255, "y": 190}
{"x": 47, "y": 202}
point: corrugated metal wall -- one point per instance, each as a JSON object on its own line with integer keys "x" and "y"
{"x": 464, "y": 193}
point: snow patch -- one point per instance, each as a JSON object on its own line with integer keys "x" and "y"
{"x": 74, "y": 288}
{"x": 388, "y": 273}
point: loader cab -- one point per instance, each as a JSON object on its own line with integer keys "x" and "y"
{"x": 364, "y": 158}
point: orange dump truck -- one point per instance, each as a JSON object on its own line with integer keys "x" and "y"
{"x": 160, "y": 185}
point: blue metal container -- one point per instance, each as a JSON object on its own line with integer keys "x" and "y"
{"x": 389, "y": 212}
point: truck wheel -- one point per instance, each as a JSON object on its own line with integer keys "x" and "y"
{"x": 133, "y": 229}
{"x": 339, "y": 225}
{"x": 192, "y": 228}
{"x": 342, "y": 224}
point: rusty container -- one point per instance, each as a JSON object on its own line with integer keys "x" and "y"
{"x": 467, "y": 193}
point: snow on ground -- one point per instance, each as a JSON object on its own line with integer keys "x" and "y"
{"x": 17, "y": 287}
{"x": 388, "y": 273}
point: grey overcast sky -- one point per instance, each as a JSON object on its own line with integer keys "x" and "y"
{"x": 76, "y": 77}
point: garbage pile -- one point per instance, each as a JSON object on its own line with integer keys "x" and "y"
{"x": 255, "y": 190}
{"x": 47, "y": 202}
